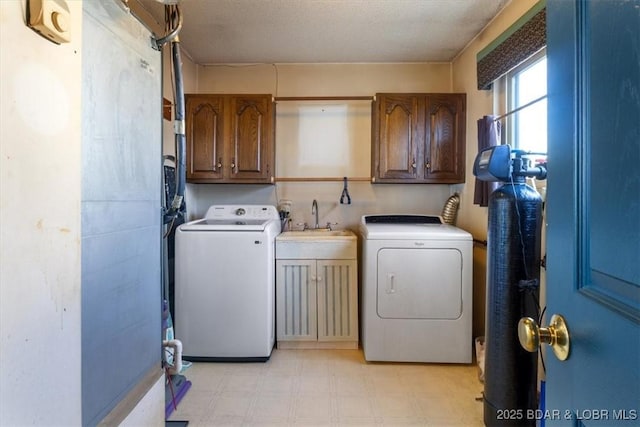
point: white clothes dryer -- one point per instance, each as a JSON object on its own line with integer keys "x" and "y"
{"x": 416, "y": 290}
{"x": 225, "y": 284}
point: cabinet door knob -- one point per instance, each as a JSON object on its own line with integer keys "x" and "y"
{"x": 233, "y": 164}
{"x": 219, "y": 165}
{"x": 427, "y": 165}
{"x": 413, "y": 164}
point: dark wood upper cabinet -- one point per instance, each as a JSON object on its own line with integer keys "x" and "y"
{"x": 204, "y": 134}
{"x": 251, "y": 142}
{"x": 418, "y": 138}
{"x": 230, "y": 138}
{"x": 445, "y": 140}
{"x": 398, "y": 137}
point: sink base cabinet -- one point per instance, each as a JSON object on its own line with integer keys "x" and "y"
{"x": 316, "y": 303}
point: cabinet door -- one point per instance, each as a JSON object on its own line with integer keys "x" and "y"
{"x": 395, "y": 138}
{"x": 204, "y": 137}
{"x": 444, "y": 156}
{"x": 337, "y": 300}
{"x": 251, "y": 145}
{"x": 296, "y": 300}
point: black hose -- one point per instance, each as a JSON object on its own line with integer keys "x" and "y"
{"x": 180, "y": 139}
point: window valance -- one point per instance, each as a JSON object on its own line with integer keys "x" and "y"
{"x": 521, "y": 40}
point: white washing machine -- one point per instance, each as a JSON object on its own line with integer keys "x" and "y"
{"x": 416, "y": 290}
{"x": 225, "y": 284}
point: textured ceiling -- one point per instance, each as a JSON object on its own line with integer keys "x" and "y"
{"x": 310, "y": 31}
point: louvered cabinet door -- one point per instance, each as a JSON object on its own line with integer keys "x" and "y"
{"x": 296, "y": 300}
{"x": 337, "y": 292}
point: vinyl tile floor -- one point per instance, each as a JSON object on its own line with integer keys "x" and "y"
{"x": 330, "y": 388}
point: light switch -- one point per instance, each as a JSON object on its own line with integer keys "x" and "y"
{"x": 51, "y": 18}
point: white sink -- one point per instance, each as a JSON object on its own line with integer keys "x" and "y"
{"x": 317, "y": 234}
{"x": 317, "y": 244}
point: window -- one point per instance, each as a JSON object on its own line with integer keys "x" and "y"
{"x": 527, "y": 128}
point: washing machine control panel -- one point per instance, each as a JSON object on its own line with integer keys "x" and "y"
{"x": 247, "y": 212}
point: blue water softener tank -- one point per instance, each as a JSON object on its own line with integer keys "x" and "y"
{"x": 513, "y": 244}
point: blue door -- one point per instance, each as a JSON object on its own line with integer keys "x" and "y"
{"x": 593, "y": 210}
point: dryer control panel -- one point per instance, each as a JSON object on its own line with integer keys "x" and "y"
{"x": 401, "y": 219}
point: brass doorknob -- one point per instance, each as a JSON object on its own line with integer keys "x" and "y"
{"x": 532, "y": 336}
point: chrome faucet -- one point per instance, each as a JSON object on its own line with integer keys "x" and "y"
{"x": 314, "y": 211}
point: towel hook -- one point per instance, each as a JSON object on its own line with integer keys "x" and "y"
{"x": 345, "y": 193}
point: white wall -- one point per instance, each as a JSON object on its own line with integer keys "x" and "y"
{"x": 40, "y": 236}
{"x": 40, "y": 165}
{"x": 324, "y": 80}
{"x": 150, "y": 410}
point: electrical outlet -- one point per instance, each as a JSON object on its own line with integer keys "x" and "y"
{"x": 285, "y": 206}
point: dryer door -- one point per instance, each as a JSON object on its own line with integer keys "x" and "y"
{"x": 419, "y": 283}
